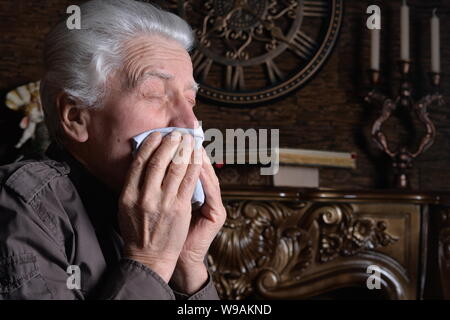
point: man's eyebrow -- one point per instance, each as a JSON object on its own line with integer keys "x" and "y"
{"x": 144, "y": 76}
{"x": 194, "y": 86}
{"x": 164, "y": 76}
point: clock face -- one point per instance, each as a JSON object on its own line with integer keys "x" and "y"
{"x": 253, "y": 51}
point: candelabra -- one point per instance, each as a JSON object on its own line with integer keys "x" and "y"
{"x": 402, "y": 158}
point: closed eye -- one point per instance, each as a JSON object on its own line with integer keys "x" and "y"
{"x": 153, "y": 100}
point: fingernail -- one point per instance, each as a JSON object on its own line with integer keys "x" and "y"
{"x": 156, "y": 135}
{"x": 175, "y": 135}
{"x": 188, "y": 137}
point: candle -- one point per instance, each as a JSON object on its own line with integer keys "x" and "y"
{"x": 404, "y": 28}
{"x": 435, "y": 44}
{"x": 375, "y": 49}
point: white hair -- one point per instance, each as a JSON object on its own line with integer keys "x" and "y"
{"x": 79, "y": 62}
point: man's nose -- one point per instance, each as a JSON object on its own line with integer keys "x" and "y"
{"x": 183, "y": 116}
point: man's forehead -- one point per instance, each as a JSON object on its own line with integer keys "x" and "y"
{"x": 161, "y": 58}
{"x": 150, "y": 46}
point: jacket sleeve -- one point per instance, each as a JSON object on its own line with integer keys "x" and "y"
{"x": 136, "y": 279}
{"x": 131, "y": 280}
{"x": 207, "y": 292}
{"x": 33, "y": 263}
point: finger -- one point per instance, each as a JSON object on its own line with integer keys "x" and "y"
{"x": 158, "y": 163}
{"x": 207, "y": 167}
{"x": 210, "y": 182}
{"x": 150, "y": 144}
{"x": 187, "y": 185}
{"x": 178, "y": 166}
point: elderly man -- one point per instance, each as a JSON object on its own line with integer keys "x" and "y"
{"x": 122, "y": 223}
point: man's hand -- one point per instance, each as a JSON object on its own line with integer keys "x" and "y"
{"x": 190, "y": 273}
{"x": 155, "y": 205}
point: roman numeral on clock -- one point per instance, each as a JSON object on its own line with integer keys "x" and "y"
{"x": 201, "y": 65}
{"x": 275, "y": 74}
{"x": 303, "y": 45}
{"x": 235, "y": 78}
{"x": 317, "y": 8}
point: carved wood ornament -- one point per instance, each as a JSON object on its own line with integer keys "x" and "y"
{"x": 266, "y": 245}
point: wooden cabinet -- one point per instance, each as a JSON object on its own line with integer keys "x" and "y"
{"x": 297, "y": 244}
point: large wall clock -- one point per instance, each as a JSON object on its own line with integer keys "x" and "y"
{"x": 254, "y": 51}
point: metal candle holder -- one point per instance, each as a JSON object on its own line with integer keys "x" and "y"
{"x": 402, "y": 158}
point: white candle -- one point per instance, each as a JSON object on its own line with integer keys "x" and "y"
{"x": 375, "y": 49}
{"x": 435, "y": 44}
{"x": 404, "y": 28}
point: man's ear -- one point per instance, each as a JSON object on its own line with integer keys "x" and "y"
{"x": 74, "y": 120}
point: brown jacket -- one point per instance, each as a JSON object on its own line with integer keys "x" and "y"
{"x": 54, "y": 214}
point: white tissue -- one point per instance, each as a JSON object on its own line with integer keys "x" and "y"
{"x": 198, "y": 198}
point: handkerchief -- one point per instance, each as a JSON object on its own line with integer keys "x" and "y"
{"x": 198, "y": 198}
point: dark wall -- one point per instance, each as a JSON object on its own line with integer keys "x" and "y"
{"x": 327, "y": 114}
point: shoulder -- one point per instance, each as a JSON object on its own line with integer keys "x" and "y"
{"x": 35, "y": 231}
{"x": 27, "y": 178}
{"x": 30, "y": 199}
